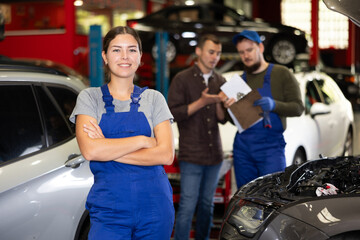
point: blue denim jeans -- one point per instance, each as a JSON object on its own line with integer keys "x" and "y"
{"x": 198, "y": 184}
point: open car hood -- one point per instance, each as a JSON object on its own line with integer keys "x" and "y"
{"x": 306, "y": 181}
{"x": 349, "y": 8}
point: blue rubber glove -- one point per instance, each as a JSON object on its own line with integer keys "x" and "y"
{"x": 266, "y": 103}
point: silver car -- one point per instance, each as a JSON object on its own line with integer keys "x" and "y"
{"x": 44, "y": 181}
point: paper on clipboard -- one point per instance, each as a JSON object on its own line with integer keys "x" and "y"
{"x": 248, "y": 115}
{"x": 236, "y": 87}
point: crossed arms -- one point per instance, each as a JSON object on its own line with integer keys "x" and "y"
{"x": 138, "y": 150}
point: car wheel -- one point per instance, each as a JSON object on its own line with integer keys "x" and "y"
{"x": 299, "y": 157}
{"x": 283, "y": 51}
{"x": 348, "y": 145}
{"x": 170, "y": 51}
{"x": 85, "y": 230}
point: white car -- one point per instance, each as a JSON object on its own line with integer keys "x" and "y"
{"x": 326, "y": 126}
{"x": 44, "y": 180}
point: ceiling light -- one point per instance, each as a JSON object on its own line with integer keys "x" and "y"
{"x": 78, "y": 3}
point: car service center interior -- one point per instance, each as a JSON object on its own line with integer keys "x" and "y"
{"x": 69, "y": 33}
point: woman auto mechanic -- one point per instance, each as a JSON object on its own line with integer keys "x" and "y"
{"x": 131, "y": 197}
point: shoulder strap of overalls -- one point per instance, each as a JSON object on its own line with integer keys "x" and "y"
{"x": 267, "y": 74}
{"x": 107, "y": 98}
{"x": 267, "y": 77}
{"x": 243, "y": 76}
{"x": 135, "y": 97}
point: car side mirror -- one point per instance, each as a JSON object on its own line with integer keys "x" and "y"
{"x": 319, "y": 109}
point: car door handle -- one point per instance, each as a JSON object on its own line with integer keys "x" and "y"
{"x": 74, "y": 160}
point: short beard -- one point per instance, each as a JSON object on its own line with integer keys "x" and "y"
{"x": 252, "y": 68}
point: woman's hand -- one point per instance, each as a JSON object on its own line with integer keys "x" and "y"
{"x": 150, "y": 142}
{"x": 95, "y": 146}
{"x": 93, "y": 130}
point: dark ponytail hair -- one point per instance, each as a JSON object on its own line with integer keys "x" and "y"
{"x": 120, "y": 30}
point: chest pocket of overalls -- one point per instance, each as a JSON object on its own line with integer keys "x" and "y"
{"x": 138, "y": 126}
{"x": 124, "y": 124}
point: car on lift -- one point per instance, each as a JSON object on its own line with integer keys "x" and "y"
{"x": 2, "y": 26}
{"x": 185, "y": 23}
{"x": 317, "y": 200}
{"x": 44, "y": 179}
{"x": 326, "y": 126}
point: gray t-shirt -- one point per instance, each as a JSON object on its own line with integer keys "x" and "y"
{"x": 152, "y": 104}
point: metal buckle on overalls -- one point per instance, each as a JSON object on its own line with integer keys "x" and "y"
{"x": 135, "y": 99}
{"x": 107, "y": 98}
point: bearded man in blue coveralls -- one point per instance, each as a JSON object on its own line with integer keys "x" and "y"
{"x": 260, "y": 149}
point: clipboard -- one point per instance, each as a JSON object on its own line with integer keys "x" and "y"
{"x": 244, "y": 110}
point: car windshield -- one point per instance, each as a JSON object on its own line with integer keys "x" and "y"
{"x": 184, "y": 15}
{"x": 225, "y": 15}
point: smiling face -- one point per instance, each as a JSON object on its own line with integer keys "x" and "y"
{"x": 122, "y": 56}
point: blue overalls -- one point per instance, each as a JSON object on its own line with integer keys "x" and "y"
{"x": 128, "y": 201}
{"x": 258, "y": 150}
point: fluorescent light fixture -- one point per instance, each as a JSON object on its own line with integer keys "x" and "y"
{"x": 78, "y": 3}
{"x": 188, "y": 35}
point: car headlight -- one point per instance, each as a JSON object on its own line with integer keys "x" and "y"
{"x": 247, "y": 217}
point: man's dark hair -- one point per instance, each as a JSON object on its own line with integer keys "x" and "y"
{"x": 206, "y": 37}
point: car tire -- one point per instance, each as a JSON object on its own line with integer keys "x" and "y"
{"x": 85, "y": 230}
{"x": 348, "y": 144}
{"x": 170, "y": 51}
{"x": 299, "y": 157}
{"x": 282, "y": 51}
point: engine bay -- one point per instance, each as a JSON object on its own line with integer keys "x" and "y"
{"x": 342, "y": 174}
